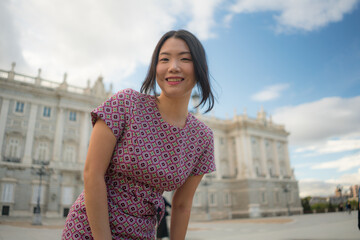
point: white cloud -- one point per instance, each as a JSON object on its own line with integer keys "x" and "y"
{"x": 331, "y": 146}
{"x": 203, "y": 17}
{"x": 9, "y": 45}
{"x": 315, "y": 187}
{"x": 343, "y": 164}
{"x": 269, "y": 93}
{"x": 312, "y": 187}
{"x": 312, "y": 124}
{"x": 304, "y": 15}
{"x": 89, "y": 38}
{"x": 346, "y": 179}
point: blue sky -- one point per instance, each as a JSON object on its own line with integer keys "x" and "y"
{"x": 299, "y": 59}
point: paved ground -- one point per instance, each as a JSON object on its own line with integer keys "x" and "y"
{"x": 327, "y": 226}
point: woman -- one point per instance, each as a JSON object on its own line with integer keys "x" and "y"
{"x": 142, "y": 145}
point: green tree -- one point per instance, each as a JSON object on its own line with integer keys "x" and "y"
{"x": 305, "y": 202}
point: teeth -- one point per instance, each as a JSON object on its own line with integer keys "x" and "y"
{"x": 174, "y": 79}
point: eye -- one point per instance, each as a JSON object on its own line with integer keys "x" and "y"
{"x": 186, "y": 59}
{"x": 163, "y": 60}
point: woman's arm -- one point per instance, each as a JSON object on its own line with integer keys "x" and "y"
{"x": 101, "y": 147}
{"x": 181, "y": 207}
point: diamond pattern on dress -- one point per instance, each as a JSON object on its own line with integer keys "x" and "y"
{"x": 150, "y": 157}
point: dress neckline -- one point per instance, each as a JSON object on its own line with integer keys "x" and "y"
{"x": 159, "y": 116}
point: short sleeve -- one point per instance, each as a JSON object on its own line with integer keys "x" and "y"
{"x": 206, "y": 162}
{"x": 115, "y": 112}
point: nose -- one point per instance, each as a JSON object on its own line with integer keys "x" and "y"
{"x": 174, "y": 66}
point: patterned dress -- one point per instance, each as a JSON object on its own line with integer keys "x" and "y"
{"x": 150, "y": 157}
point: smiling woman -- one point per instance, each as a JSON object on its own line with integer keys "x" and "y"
{"x": 143, "y": 145}
{"x": 190, "y": 50}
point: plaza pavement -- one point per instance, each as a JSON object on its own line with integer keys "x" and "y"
{"x": 325, "y": 226}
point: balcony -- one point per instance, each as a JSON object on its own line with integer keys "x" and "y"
{"x": 40, "y": 162}
{"x": 12, "y": 159}
{"x": 274, "y": 175}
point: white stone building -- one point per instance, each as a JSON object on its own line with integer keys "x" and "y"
{"x": 47, "y": 124}
{"x": 43, "y": 122}
{"x": 254, "y": 177}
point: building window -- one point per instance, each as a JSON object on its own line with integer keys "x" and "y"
{"x": 276, "y": 197}
{"x": 257, "y": 169}
{"x": 67, "y": 195}
{"x": 197, "y": 200}
{"x": 35, "y": 194}
{"x": 7, "y": 195}
{"x": 42, "y": 151}
{"x": 212, "y": 198}
{"x": 19, "y": 107}
{"x": 227, "y": 199}
{"x": 282, "y": 169}
{"x": 280, "y": 150}
{"x": 47, "y": 112}
{"x": 13, "y": 149}
{"x": 222, "y": 141}
{"x": 263, "y": 197}
{"x": 5, "y": 210}
{"x": 66, "y": 212}
{"x": 255, "y": 148}
{"x": 72, "y": 116}
{"x": 69, "y": 153}
{"x": 271, "y": 169}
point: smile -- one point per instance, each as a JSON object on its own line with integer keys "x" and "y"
{"x": 174, "y": 79}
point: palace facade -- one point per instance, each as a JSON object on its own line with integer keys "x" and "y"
{"x": 44, "y": 134}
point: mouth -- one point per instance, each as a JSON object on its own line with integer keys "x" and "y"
{"x": 174, "y": 80}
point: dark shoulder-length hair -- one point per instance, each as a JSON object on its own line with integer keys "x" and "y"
{"x": 200, "y": 67}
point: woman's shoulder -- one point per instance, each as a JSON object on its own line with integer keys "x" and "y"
{"x": 132, "y": 95}
{"x": 198, "y": 125}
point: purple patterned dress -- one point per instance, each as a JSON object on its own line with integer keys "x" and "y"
{"x": 150, "y": 157}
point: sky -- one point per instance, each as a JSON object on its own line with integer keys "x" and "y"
{"x": 298, "y": 59}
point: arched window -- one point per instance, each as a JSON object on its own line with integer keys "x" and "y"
{"x": 42, "y": 151}
{"x": 13, "y": 149}
{"x": 69, "y": 153}
{"x": 224, "y": 166}
{"x": 257, "y": 169}
{"x": 271, "y": 170}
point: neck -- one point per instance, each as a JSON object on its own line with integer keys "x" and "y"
{"x": 174, "y": 111}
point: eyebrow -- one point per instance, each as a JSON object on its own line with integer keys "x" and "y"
{"x": 181, "y": 53}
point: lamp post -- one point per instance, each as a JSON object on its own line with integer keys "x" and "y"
{"x": 286, "y": 189}
{"x": 39, "y": 171}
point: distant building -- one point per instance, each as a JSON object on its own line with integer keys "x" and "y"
{"x": 354, "y": 191}
{"x": 43, "y": 123}
{"x": 254, "y": 176}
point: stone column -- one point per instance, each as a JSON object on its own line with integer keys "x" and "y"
{"x": 3, "y": 117}
{"x": 30, "y": 134}
{"x": 231, "y": 147}
{"x": 58, "y": 135}
{"x": 247, "y": 154}
{"x": 287, "y": 160}
{"x": 242, "y": 165}
{"x": 276, "y": 158}
{"x": 217, "y": 157}
{"x": 263, "y": 157}
{"x": 85, "y": 121}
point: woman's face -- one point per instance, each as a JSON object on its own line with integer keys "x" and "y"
{"x": 175, "y": 69}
